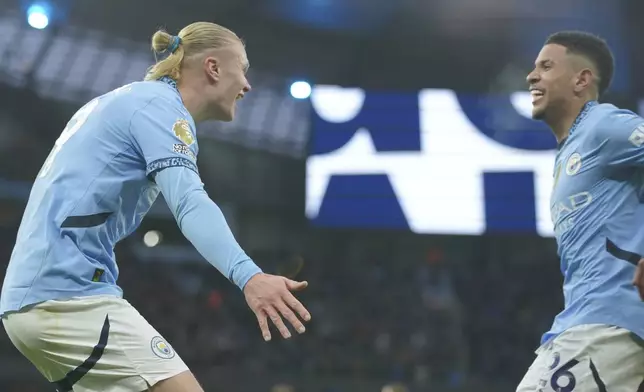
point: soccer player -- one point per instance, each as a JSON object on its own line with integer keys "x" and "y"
{"x": 595, "y": 343}
{"x": 60, "y": 303}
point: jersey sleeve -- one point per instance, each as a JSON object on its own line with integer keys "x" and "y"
{"x": 621, "y": 139}
{"x": 164, "y": 137}
{"x": 204, "y": 225}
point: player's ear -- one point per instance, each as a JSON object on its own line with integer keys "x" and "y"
{"x": 212, "y": 68}
{"x": 584, "y": 80}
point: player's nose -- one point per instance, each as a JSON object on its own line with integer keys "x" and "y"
{"x": 532, "y": 78}
{"x": 247, "y": 88}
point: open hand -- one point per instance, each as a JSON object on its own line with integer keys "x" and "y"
{"x": 270, "y": 296}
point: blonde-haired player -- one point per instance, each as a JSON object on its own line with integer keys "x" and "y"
{"x": 60, "y": 303}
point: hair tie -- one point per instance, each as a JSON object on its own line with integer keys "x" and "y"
{"x": 174, "y": 44}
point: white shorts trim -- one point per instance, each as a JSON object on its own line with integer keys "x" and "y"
{"x": 59, "y": 337}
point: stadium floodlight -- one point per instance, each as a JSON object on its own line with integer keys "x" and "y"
{"x": 37, "y": 16}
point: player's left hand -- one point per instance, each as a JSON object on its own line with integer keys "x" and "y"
{"x": 638, "y": 279}
{"x": 270, "y": 297}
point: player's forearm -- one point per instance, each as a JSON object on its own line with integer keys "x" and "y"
{"x": 205, "y": 226}
{"x": 203, "y": 223}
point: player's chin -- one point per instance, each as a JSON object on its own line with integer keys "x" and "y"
{"x": 538, "y": 112}
{"x": 228, "y": 118}
{"x": 226, "y": 115}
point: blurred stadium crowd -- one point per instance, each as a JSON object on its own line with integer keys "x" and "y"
{"x": 381, "y": 320}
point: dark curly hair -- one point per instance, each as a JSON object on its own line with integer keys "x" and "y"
{"x": 593, "y": 48}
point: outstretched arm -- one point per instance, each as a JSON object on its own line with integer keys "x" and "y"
{"x": 204, "y": 225}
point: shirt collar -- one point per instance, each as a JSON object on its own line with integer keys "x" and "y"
{"x": 584, "y": 112}
{"x": 168, "y": 80}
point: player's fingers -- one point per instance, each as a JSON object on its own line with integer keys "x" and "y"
{"x": 297, "y": 306}
{"x": 278, "y": 322}
{"x": 291, "y": 317}
{"x": 262, "y": 320}
{"x": 293, "y": 285}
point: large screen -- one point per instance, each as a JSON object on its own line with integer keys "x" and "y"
{"x": 435, "y": 162}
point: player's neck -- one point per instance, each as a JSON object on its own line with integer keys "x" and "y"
{"x": 561, "y": 127}
{"x": 565, "y": 119}
{"x": 193, "y": 101}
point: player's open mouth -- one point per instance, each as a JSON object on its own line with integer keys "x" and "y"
{"x": 536, "y": 94}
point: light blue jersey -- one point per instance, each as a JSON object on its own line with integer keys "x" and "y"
{"x": 598, "y": 212}
{"x": 105, "y": 171}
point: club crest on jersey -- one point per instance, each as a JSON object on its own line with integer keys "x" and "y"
{"x": 574, "y": 164}
{"x": 637, "y": 137}
{"x": 161, "y": 348}
{"x": 181, "y": 129}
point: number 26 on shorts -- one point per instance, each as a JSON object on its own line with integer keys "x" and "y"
{"x": 563, "y": 380}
